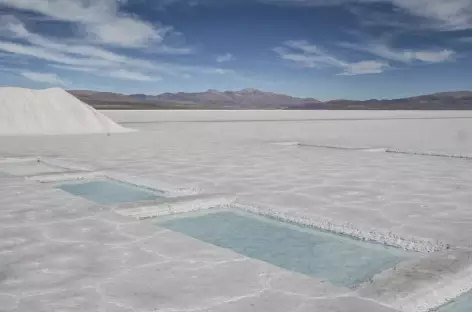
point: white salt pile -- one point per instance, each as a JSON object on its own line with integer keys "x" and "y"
{"x": 49, "y": 111}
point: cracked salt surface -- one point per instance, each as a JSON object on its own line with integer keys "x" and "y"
{"x": 340, "y": 260}
{"x": 28, "y": 168}
{"x": 64, "y": 253}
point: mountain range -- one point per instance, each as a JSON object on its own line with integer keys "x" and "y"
{"x": 256, "y": 99}
{"x": 211, "y": 99}
{"x": 460, "y": 100}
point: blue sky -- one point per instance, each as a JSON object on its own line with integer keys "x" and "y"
{"x": 326, "y": 49}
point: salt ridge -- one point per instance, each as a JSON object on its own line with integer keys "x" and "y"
{"x": 385, "y": 238}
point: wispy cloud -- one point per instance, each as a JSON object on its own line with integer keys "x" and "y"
{"x": 225, "y": 58}
{"x": 365, "y": 67}
{"x": 117, "y": 74}
{"x": 85, "y": 57}
{"x": 47, "y": 55}
{"x": 99, "y": 20}
{"x": 306, "y": 54}
{"x": 309, "y": 55}
{"x": 434, "y": 56}
{"x": 73, "y": 68}
{"x": 405, "y": 56}
{"x": 49, "y": 78}
{"x": 47, "y": 49}
{"x": 448, "y": 15}
{"x": 442, "y": 14}
{"x": 129, "y": 75}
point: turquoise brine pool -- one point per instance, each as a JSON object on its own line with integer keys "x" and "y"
{"x": 461, "y": 304}
{"x": 337, "y": 259}
{"x": 28, "y": 168}
{"x": 107, "y": 192}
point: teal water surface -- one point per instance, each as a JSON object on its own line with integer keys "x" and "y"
{"x": 28, "y": 168}
{"x": 109, "y": 192}
{"x": 461, "y": 304}
{"x": 338, "y": 259}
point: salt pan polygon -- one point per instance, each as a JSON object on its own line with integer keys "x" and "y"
{"x": 342, "y": 261}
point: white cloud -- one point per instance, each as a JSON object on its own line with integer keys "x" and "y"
{"x": 125, "y": 32}
{"x": 221, "y": 71}
{"x": 225, "y": 58}
{"x": 129, "y": 75}
{"x": 404, "y": 56}
{"x": 57, "y": 51}
{"x": 67, "y": 10}
{"x": 165, "y": 49}
{"x": 434, "y": 56}
{"x": 79, "y": 57}
{"x": 117, "y": 74}
{"x": 14, "y": 27}
{"x": 311, "y": 56}
{"x": 74, "y": 68}
{"x": 449, "y": 14}
{"x": 48, "y": 78}
{"x": 99, "y": 20}
{"x": 386, "y": 52}
{"x": 47, "y": 55}
{"x": 365, "y": 67}
{"x": 303, "y": 45}
{"x": 444, "y": 14}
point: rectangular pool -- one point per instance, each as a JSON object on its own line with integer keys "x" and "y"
{"x": 109, "y": 192}
{"x": 460, "y": 304}
{"x": 340, "y": 260}
{"x": 28, "y": 168}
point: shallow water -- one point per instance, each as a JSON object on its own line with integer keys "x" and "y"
{"x": 340, "y": 260}
{"x": 27, "y": 168}
{"x": 461, "y": 304}
{"x": 109, "y": 192}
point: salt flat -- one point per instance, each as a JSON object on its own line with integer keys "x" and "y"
{"x": 60, "y": 252}
{"x": 403, "y": 130}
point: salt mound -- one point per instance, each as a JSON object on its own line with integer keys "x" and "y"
{"x": 49, "y": 111}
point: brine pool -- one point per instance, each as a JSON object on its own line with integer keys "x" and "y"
{"x": 338, "y": 259}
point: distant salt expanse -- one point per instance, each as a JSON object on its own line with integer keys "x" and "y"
{"x": 443, "y": 133}
{"x": 147, "y": 116}
{"x": 49, "y": 112}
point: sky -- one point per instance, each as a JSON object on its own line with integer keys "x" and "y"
{"x": 325, "y": 49}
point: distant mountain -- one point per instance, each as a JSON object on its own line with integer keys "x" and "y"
{"x": 108, "y": 100}
{"x": 247, "y": 98}
{"x": 256, "y": 99}
{"x": 460, "y": 100}
{"x": 211, "y": 99}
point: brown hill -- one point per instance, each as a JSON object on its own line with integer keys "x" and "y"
{"x": 256, "y": 99}
{"x": 211, "y": 99}
{"x": 460, "y": 100}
